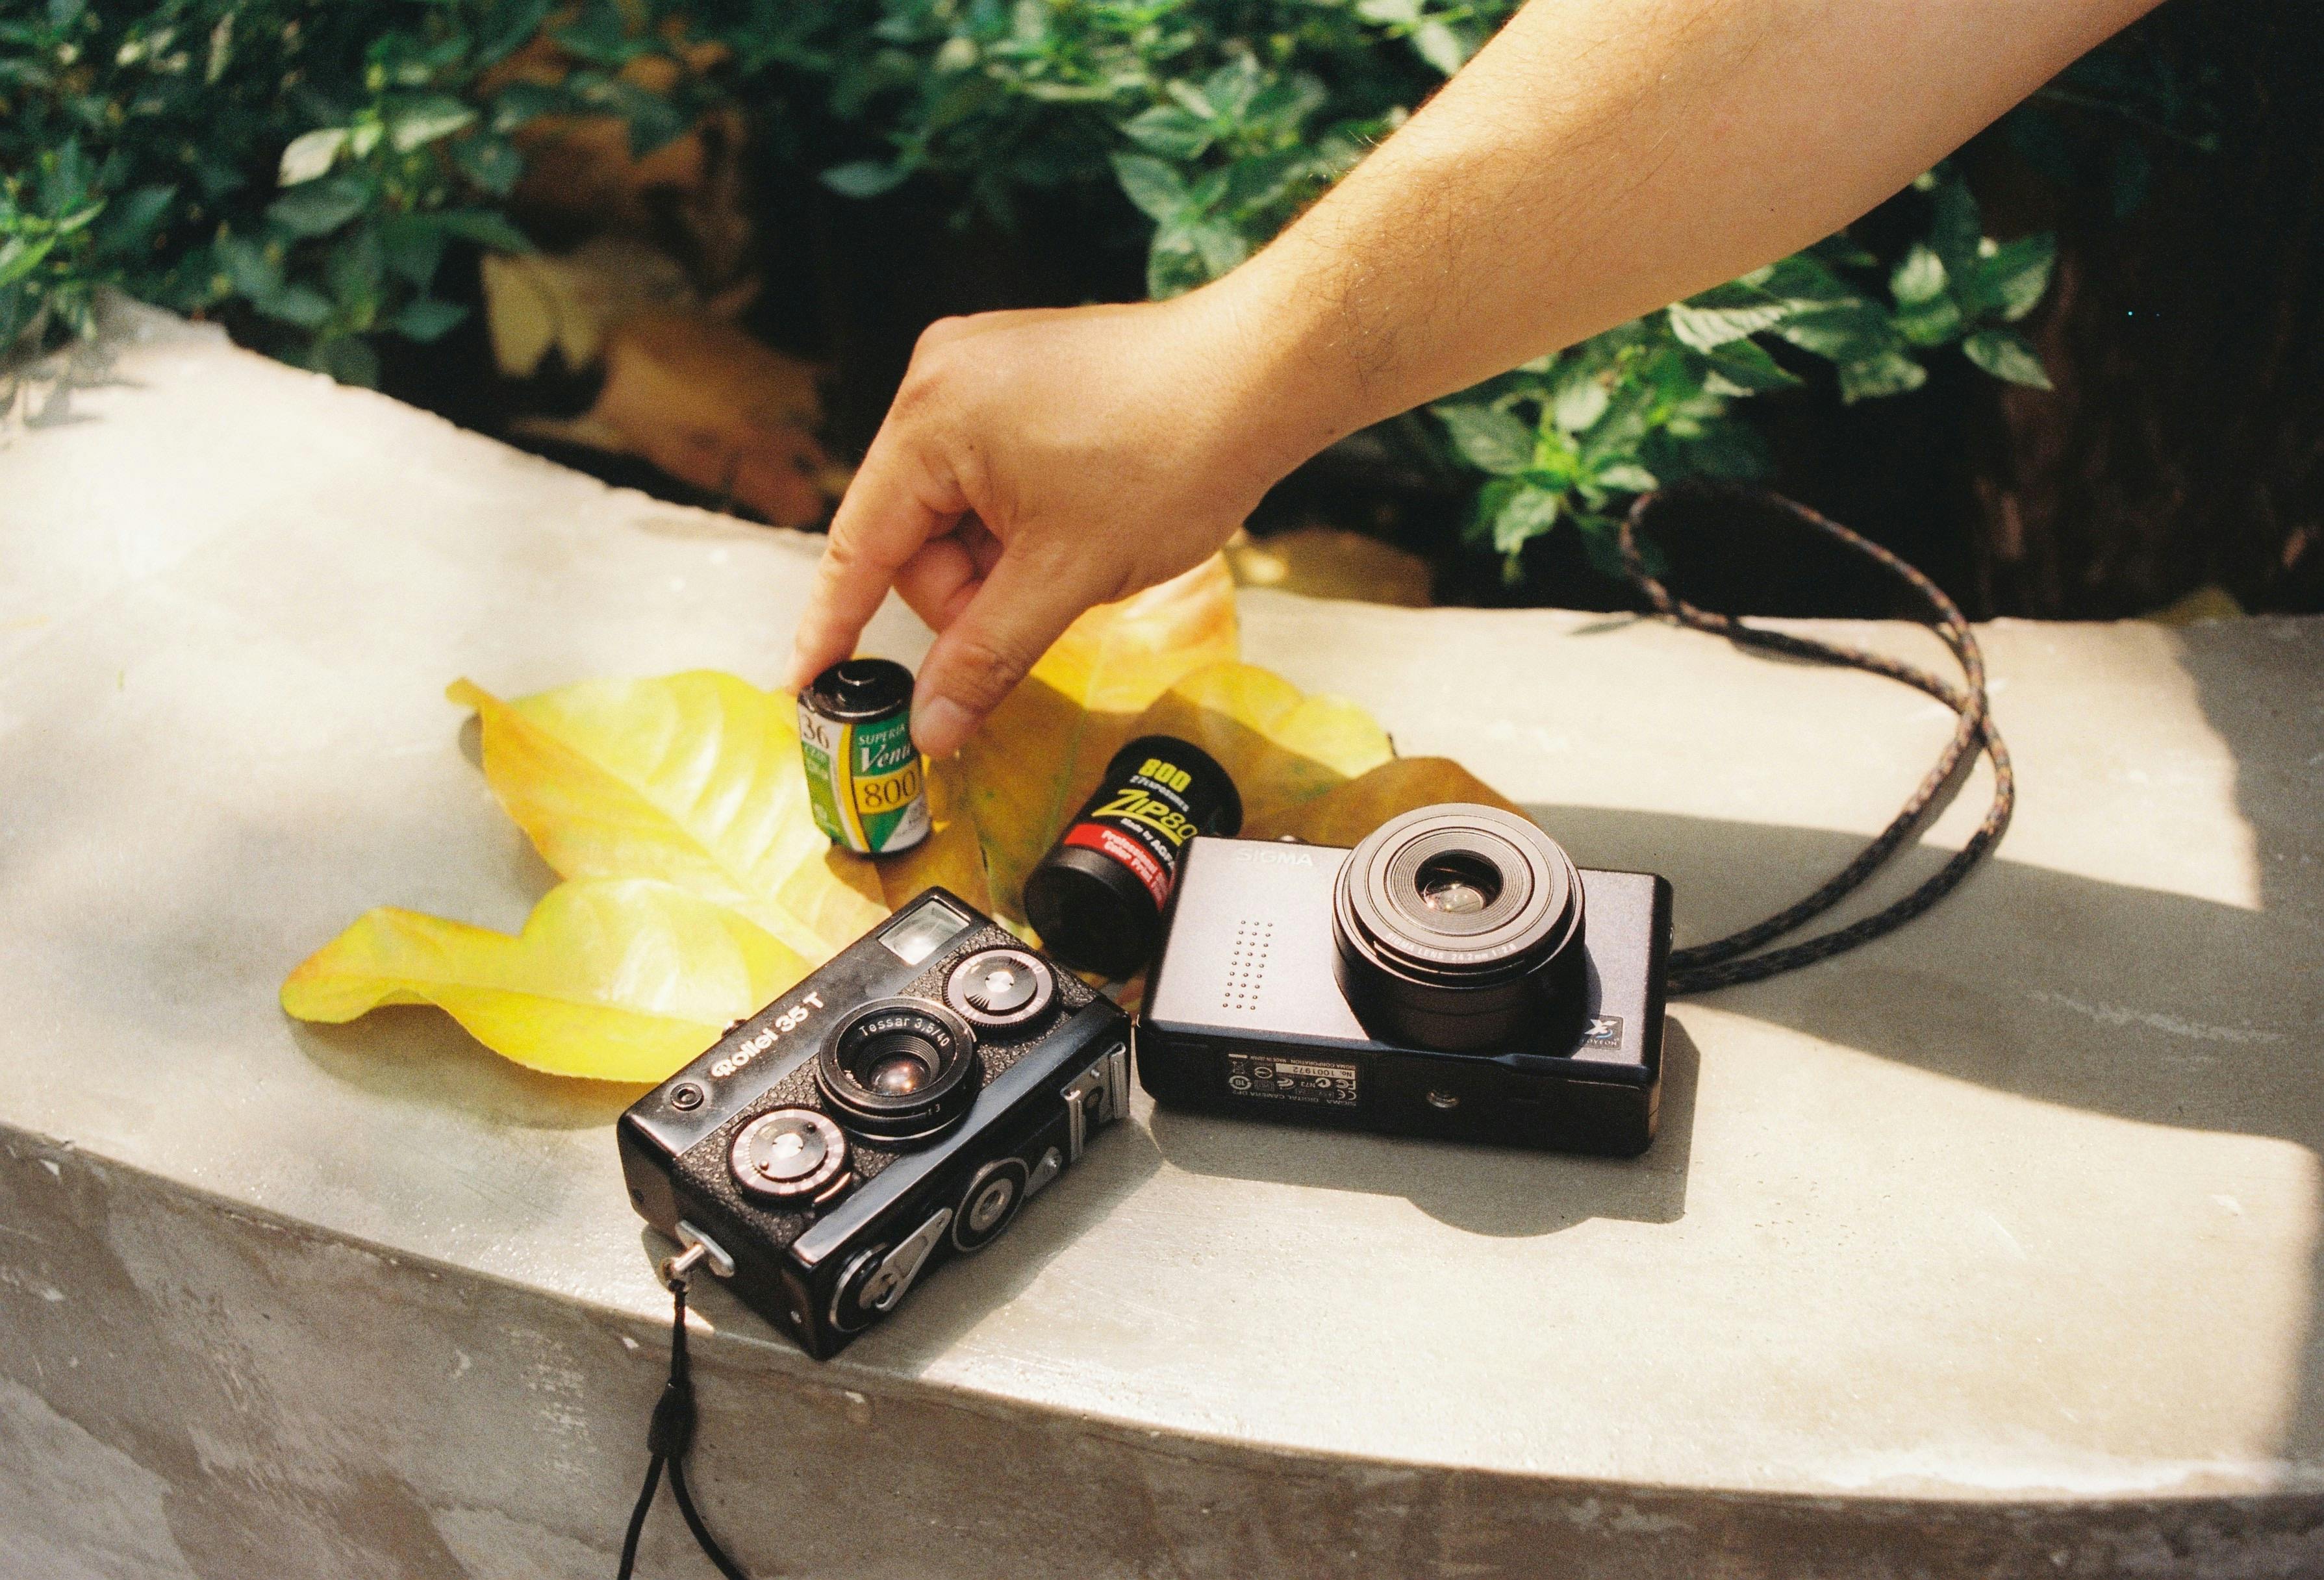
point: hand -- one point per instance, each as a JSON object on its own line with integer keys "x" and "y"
{"x": 1035, "y": 464}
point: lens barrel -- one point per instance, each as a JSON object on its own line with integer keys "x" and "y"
{"x": 899, "y": 1069}
{"x": 1460, "y": 929}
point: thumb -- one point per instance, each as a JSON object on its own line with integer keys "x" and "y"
{"x": 977, "y": 661}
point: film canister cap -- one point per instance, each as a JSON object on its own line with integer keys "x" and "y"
{"x": 1097, "y": 898}
{"x": 860, "y": 688}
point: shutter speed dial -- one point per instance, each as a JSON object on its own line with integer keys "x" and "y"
{"x": 998, "y": 987}
{"x": 788, "y": 1153}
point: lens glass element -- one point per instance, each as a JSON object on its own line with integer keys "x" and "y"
{"x": 901, "y": 1068}
{"x": 896, "y": 1070}
{"x": 1457, "y": 883}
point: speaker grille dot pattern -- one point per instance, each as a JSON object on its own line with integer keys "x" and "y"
{"x": 1246, "y": 966}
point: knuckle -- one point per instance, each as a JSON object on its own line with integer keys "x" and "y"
{"x": 941, "y": 333}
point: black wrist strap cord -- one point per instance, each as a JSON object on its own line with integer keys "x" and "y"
{"x": 670, "y": 1436}
{"x": 1718, "y": 964}
{"x": 1726, "y": 962}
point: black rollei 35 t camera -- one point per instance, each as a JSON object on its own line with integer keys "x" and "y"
{"x": 894, "y": 1108}
{"x": 1454, "y": 976}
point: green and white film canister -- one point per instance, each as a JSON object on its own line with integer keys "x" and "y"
{"x": 864, "y": 779}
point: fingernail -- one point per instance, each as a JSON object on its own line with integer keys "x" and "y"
{"x": 940, "y": 727}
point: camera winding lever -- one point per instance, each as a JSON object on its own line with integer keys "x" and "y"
{"x": 1723, "y": 962}
{"x": 671, "y": 1431}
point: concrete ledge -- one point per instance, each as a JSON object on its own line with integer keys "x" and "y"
{"x": 1990, "y": 1249}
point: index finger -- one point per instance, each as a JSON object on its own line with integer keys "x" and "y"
{"x": 899, "y": 500}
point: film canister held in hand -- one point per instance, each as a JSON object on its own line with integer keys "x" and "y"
{"x": 864, "y": 780}
{"x": 1096, "y": 898}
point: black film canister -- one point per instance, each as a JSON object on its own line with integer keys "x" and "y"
{"x": 1097, "y": 896}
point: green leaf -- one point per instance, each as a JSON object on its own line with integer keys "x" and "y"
{"x": 1254, "y": 182}
{"x": 420, "y": 121}
{"x": 130, "y": 221}
{"x": 354, "y": 267}
{"x": 1625, "y": 477}
{"x": 348, "y": 359}
{"x": 1232, "y": 87}
{"x": 1439, "y": 46}
{"x": 299, "y": 305}
{"x": 1743, "y": 367}
{"x": 1479, "y": 528}
{"x": 2018, "y": 275}
{"x": 414, "y": 245}
{"x": 1524, "y": 515}
{"x": 2007, "y": 355}
{"x": 310, "y": 154}
{"x": 513, "y": 24}
{"x": 1706, "y": 328}
{"x": 1221, "y": 247}
{"x": 1487, "y": 437}
{"x": 1920, "y": 278}
{"x": 1801, "y": 280}
{"x": 1843, "y": 332}
{"x": 1170, "y": 131}
{"x": 1891, "y": 372}
{"x": 20, "y": 256}
{"x": 1153, "y": 186}
{"x": 1581, "y": 400}
{"x": 427, "y": 318}
{"x": 1389, "y": 13}
{"x": 484, "y": 227}
{"x": 492, "y": 163}
{"x": 654, "y": 122}
{"x": 320, "y": 207}
{"x": 866, "y": 177}
{"x": 254, "y": 274}
{"x": 1932, "y": 323}
{"x": 1955, "y": 229}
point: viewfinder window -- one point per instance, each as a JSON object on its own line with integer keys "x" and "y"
{"x": 921, "y": 930}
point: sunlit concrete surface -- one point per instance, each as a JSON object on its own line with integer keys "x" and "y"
{"x": 1991, "y": 1249}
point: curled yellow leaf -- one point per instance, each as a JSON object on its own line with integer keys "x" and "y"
{"x": 1040, "y": 753}
{"x": 614, "y": 979}
{"x": 1281, "y": 746}
{"x": 695, "y": 779}
{"x": 1345, "y": 813}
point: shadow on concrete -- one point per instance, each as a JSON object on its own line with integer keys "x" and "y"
{"x": 2138, "y": 1003}
{"x": 416, "y": 1053}
{"x": 966, "y": 1290}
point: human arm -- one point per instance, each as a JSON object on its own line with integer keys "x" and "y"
{"x": 1596, "y": 160}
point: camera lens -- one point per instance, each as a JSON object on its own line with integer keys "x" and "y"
{"x": 901, "y": 1068}
{"x": 1460, "y": 928}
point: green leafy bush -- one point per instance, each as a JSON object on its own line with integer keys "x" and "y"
{"x": 301, "y": 165}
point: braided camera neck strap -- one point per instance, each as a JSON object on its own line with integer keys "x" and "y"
{"x": 668, "y": 1438}
{"x": 1726, "y": 962}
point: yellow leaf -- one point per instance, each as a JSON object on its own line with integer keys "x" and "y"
{"x": 613, "y": 980}
{"x": 1280, "y": 746}
{"x": 1344, "y": 814}
{"x": 951, "y": 855}
{"x": 692, "y": 779}
{"x": 1040, "y": 753}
